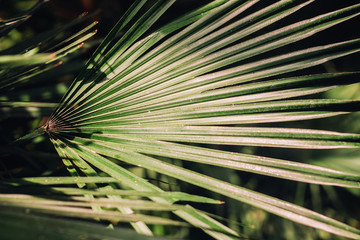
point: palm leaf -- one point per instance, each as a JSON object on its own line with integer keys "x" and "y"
{"x": 191, "y": 85}
{"x": 24, "y": 65}
{"x": 25, "y": 226}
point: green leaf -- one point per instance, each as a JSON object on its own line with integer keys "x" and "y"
{"x": 21, "y": 60}
{"x": 180, "y": 91}
{"x": 60, "y": 180}
{"x": 179, "y": 196}
{"x": 79, "y": 212}
{"x": 273, "y": 205}
{"x": 267, "y": 166}
{"x": 213, "y": 227}
{"x": 24, "y": 225}
{"x": 35, "y": 202}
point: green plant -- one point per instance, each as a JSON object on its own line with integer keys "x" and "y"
{"x": 209, "y": 78}
{"x": 27, "y": 67}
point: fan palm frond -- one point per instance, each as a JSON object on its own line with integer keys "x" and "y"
{"x": 198, "y": 82}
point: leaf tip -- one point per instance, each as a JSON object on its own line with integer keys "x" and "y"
{"x": 58, "y": 63}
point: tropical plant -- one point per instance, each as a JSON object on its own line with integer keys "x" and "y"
{"x": 28, "y": 66}
{"x": 169, "y": 100}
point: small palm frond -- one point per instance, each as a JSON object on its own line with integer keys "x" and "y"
{"x": 17, "y": 225}
{"x": 198, "y": 82}
{"x": 7, "y": 25}
{"x": 26, "y": 67}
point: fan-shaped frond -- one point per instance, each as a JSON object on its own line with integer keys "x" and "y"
{"x": 197, "y": 82}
